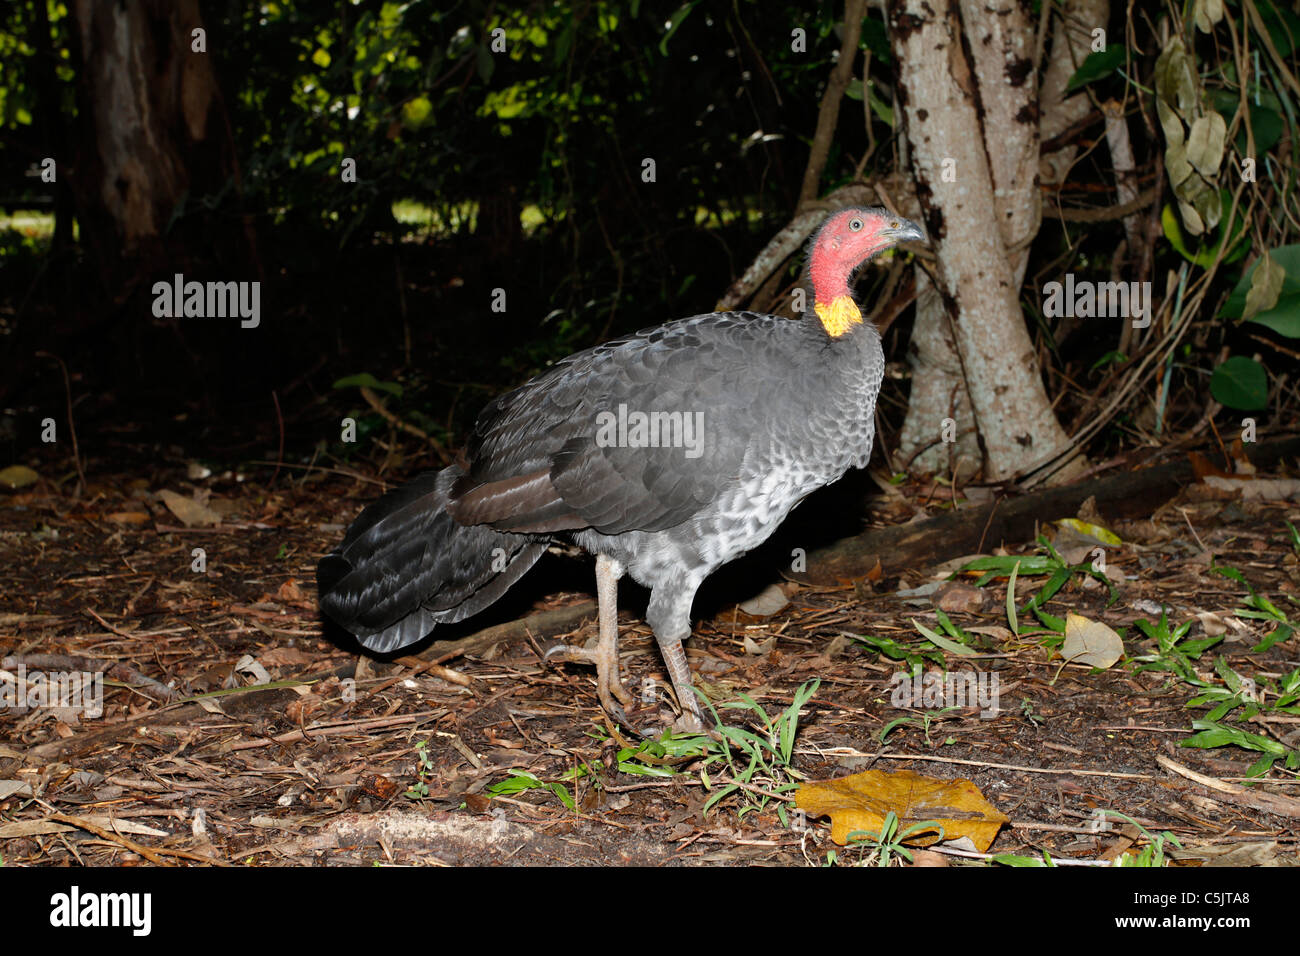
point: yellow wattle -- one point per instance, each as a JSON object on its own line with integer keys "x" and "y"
{"x": 839, "y": 315}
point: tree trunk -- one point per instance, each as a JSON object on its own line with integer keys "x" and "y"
{"x": 152, "y": 131}
{"x": 968, "y": 86}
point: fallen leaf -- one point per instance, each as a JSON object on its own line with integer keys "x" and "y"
{"x": 766, "y": 603}
{"x": 1090, "y": 642}
{"x": 1089, "y": 530}
{"x": 189, "y": 511}
{"x": 959, "y": 597}
{"x": 862, "y": 801}
{"x": 280, "y": 656}
{"x": 995, "y": 631}
{"x": 377, "y": 785}
{"x": 9, "y": 787}
{"x": 1213, "y": 624}
{"x": 1255, "y": 853}
{"x": 17, "y": 476}
{"x": 289, "y": 592}
{"x": 128, "y": 517}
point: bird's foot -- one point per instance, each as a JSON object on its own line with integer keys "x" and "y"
{"x": 613, "y": 695}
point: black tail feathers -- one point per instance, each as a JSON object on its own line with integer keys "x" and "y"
{"x": 405, "y": 565}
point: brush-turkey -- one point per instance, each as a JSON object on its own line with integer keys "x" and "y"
{"x": 665, "y": 454}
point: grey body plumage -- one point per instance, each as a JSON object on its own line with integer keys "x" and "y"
{"x": 782, "y": 408}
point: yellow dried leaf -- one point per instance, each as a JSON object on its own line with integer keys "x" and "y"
{"x": 18, "y": 476}
{"x": 862, "y": 801}
{"x": 1090, "y": 530}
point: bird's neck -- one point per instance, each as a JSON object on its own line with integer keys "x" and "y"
{"x": 839, "y": 316}
{"x": 832, "y": 300}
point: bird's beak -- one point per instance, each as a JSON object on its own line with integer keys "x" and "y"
{"x": 907, "y": 231}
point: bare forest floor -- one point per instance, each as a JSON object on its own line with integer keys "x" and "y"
{"x": 331, "y": 763}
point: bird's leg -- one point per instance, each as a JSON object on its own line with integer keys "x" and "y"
{"x": 608, "y": 571}
{"x": 613, "y": 695}
{"x": 679, "y": 671}
{"x": 669, "y": 616}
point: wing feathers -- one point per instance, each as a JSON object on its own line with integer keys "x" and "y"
{"x": 539, "y": 460}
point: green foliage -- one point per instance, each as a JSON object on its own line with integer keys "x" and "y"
{"x": 1212, "y": 734}
{"x": 1207, "y": 250}
{"x": 889, "y": 841}
{"x": 913, "y": 656}
{"x": 1098, "y": 64}
{"x": 424, "y": 771}
{"x": 755, "y": 764}
{"x": 522, "y": 780}
{"x": 1240, "y": 382}
{"x": 1234, "y": 696}
{"x": 366, "y": 380}
{"x": 1049, "y": 562}
{"x": 1151, "y": 855}
{"x": 1018, "y": 860}
{"x": 1281, "y": 310}
{"x": 1266, "y": 121}
{"x": 875, "y": 37}
{"x": 1174, "y": 651}
{"x": 957, "y": 642}
{"x": 749, "y": 756}
{"x": 925, "y": 721}
{"x": 476, "y": 164}
{"x": 1258, "y": 607}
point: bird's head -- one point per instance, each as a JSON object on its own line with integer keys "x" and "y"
{"x": 845, "y": 241}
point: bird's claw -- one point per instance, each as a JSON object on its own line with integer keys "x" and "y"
{"x": 567, "y": 652}
{"x": 613, "y": 695}
{"x": 606, "y": 666}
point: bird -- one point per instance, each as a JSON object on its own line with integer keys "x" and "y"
{"x": 665, "y": 454}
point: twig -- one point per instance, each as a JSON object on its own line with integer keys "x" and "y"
{"x": 115, "y": 670}
{"x": 150, "y": 854}
{"x": 1120, "y": 211}
{"x": 1267, "y": 802}
{"x": 829, "y": 112}
{"x": 433, "y": 668}
{"x": 374, "y": 402}
{"x": 333, "y": 730}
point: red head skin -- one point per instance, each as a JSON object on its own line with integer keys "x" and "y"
{"x": 845, "y": 241}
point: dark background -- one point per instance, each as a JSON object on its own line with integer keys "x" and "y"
{"x": 476, "y": 170}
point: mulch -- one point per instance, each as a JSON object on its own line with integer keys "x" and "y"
{"x": 233, "y": 732}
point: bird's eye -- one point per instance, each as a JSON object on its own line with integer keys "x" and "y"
{"x": 855, "y": 225}
{"x": 893, "y": 224}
